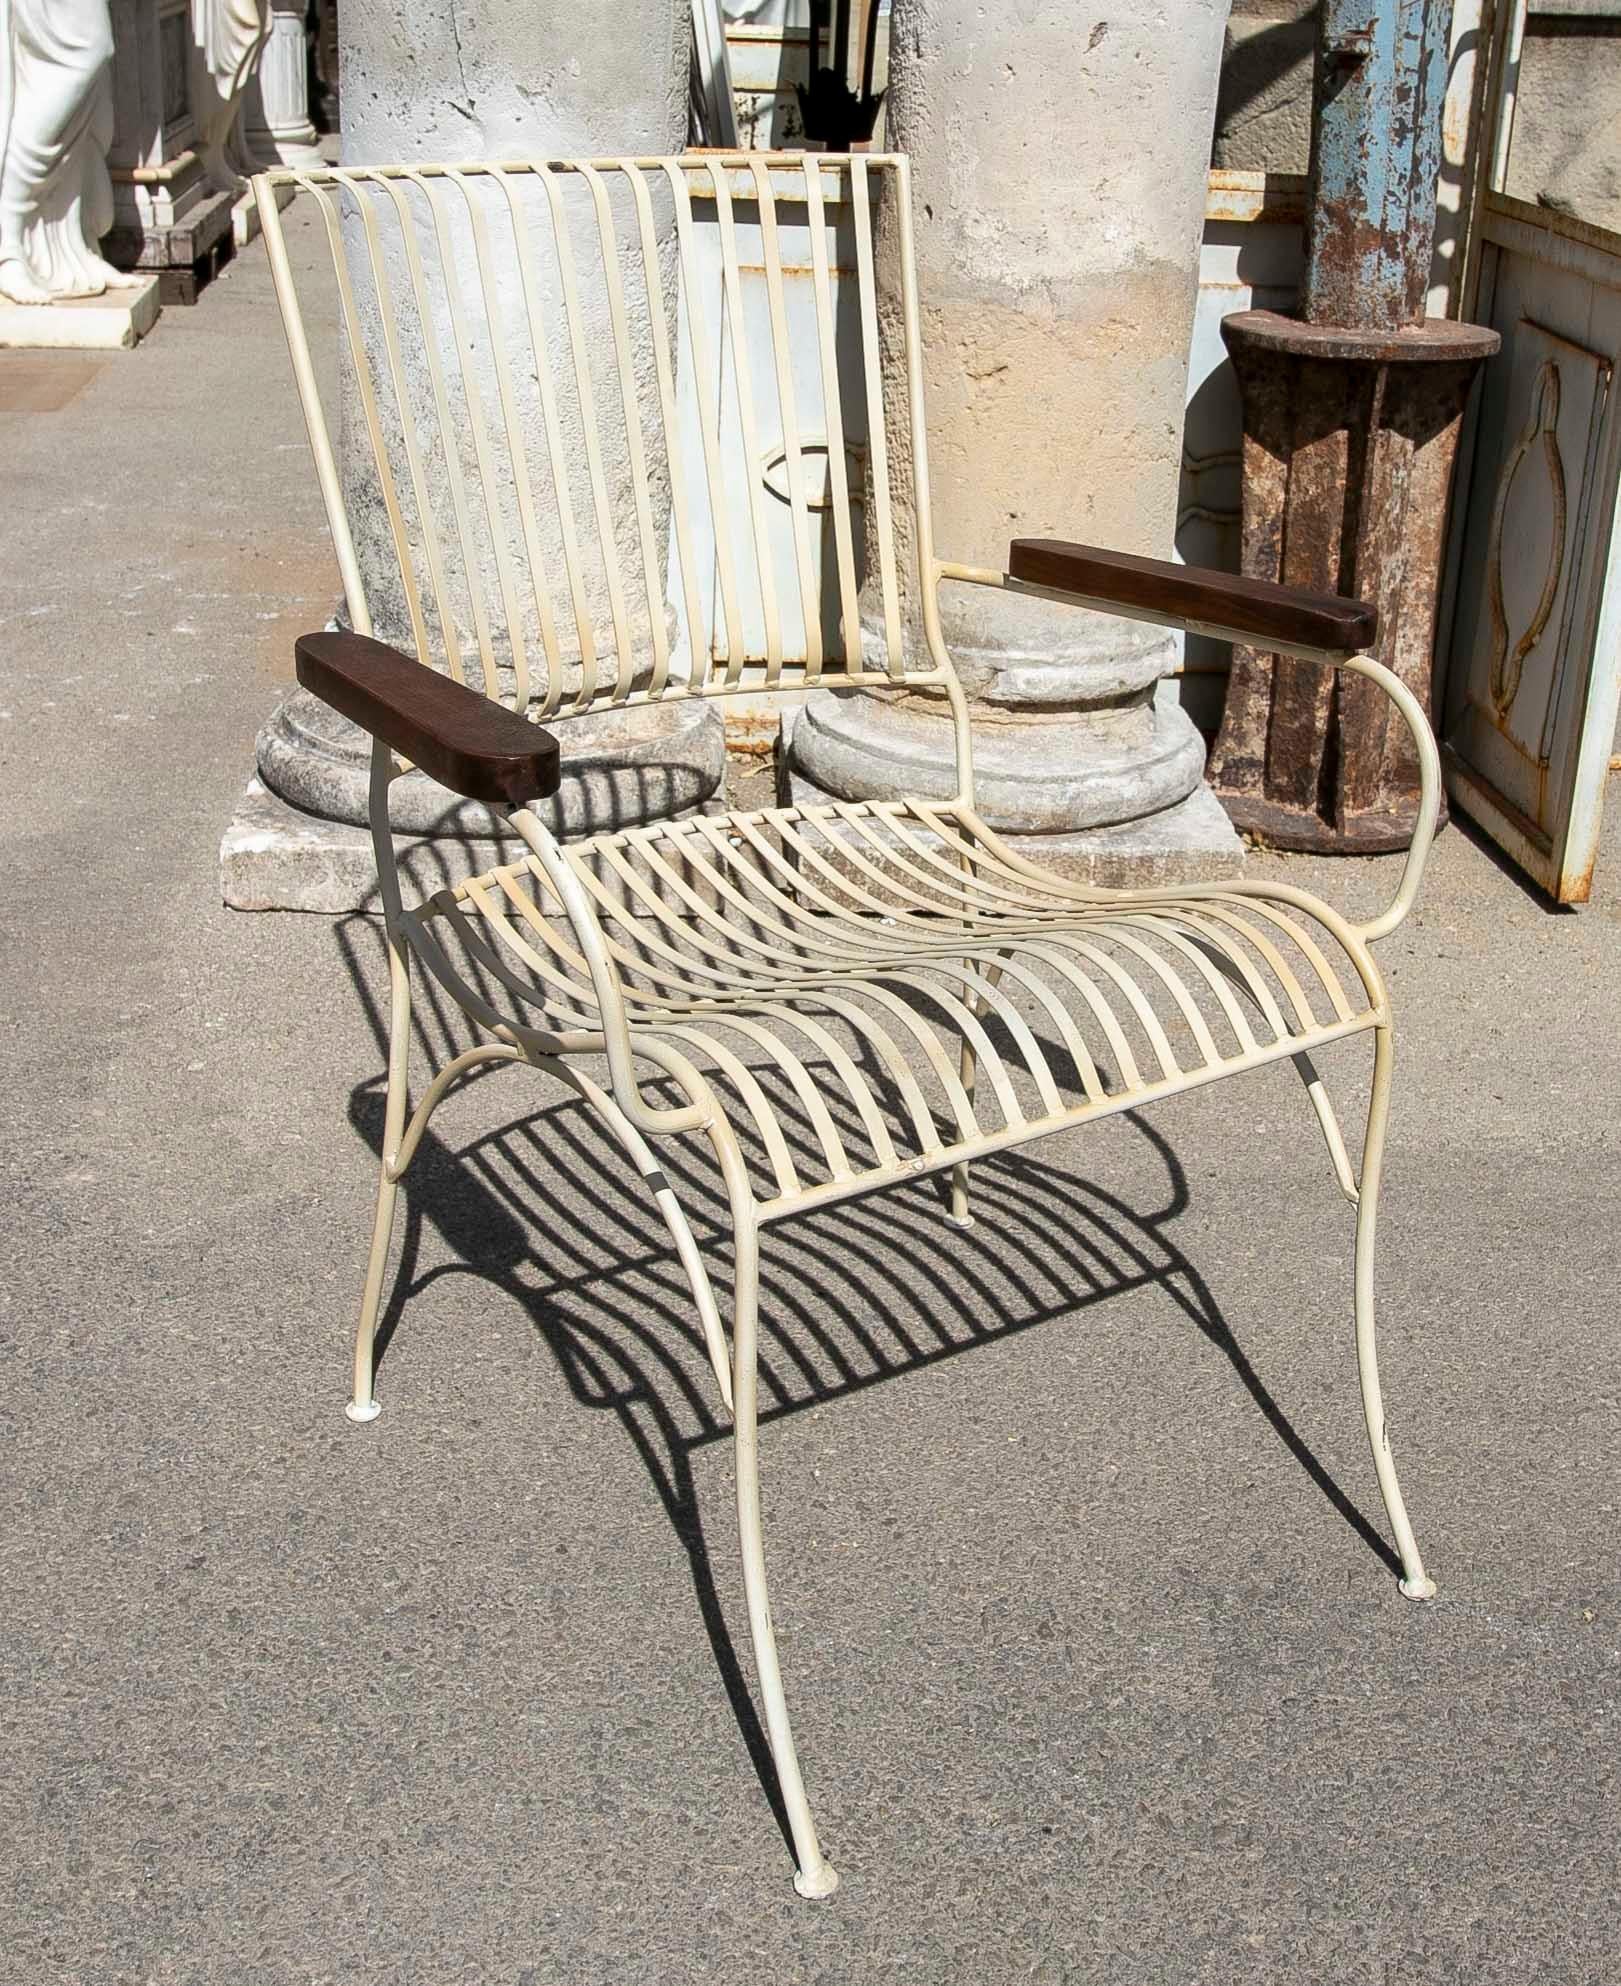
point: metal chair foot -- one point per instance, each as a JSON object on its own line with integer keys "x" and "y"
{"x": 1422, "y": 1588}
{"x": 363, "y": 1410}
{"x": 959, "y": 1220}
{"x": 823, "y": 1883}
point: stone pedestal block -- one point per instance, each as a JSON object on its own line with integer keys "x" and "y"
{"x": 619, "y": 767}
{"x": 277, "y": 857}
{"x": 167, "y": 219}
{"x": 114, "y": 320}
{"x": 1190, "y": 840}
{"x": 1053, "y": 773}
{"x": 1057, "y": 257}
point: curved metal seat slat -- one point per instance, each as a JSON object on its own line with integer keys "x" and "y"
{"x": 964, "y": 1026}
{"x": 1013, "y": 965}
{"x": 823, "y": 1001}
{"x": 1210, "y": 916}
{"x": 1067, "y": 969}
{"x": 1177, "y": 989}
{"x": 930, "y": 1048}
{"x": 883, "y": 1045}
{"x": 800, "y": 1021}
{"x": 762, "y": 1117}
{"x": 535, "y": 991}
{"x": 1164, "y": 928}
{"x": 1300, "y": 934}
{"x": 709, "y": 928}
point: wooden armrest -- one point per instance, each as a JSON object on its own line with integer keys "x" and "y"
{"x": 474, "y": 746}
{"x": 1219, "y": 602}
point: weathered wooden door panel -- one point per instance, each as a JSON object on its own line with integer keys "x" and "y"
{"x": 1534, "y": 665}
{"x": 1531, "y": 573}
{"x": 1532, "y": 650}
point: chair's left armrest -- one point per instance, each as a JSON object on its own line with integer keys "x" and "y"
{"x": 1190, "y": 596}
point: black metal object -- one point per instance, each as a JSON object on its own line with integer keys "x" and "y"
{"x": 833, "y": 113}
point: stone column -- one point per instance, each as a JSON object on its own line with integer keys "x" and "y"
{"x": 279, "y": 130}
{"x": 1059, "y": 158}
{"x": 438, "y": 80}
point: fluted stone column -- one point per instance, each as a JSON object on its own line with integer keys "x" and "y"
{"x": 1059, "y": 159}
{"x": 438, "y": 80}
{"x": 277, "y": 117}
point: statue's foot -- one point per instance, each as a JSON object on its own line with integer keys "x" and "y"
{"x": 19, "y": 284}
{"x": 115, "y": 279}
{"x": 223, "y": 177}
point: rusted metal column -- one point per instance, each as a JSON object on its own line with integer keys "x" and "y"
{"x": 1351, "y": 417}
{"x": 1376, "y": 149}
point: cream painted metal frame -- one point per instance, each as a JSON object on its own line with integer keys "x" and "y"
{"x": 834, "y": 999}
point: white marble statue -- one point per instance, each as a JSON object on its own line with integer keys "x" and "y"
{"x": 230, "y": 37}
{"x": 56, "y": 122}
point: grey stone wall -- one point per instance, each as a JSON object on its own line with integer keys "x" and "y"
{"x": 1566, "y": 152}
{"x": 1567, "y": 133}
{"x": 1263, "y": 111}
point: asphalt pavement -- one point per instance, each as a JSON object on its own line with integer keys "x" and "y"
{"x": 1091, "y": 1636}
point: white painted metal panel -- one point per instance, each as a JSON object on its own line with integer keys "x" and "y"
{"x": 751, "y": 715}
{"x": 768, "y": 43}
{"x": 1533, "y": 656}
{"x": 805, "y": 385}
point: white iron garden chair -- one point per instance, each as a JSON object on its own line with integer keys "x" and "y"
{"x": 810, "y": 992}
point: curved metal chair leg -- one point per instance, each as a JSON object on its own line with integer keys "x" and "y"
{"x": 815, "y": 1875}
{"x": 363, "y": 1406}
{"x": 1328, "y": 1124}
{"x": 958, "y": 1215}
{"x": 1415, "y": 1582}
{"x": 967, "y": 1069}
{"x": 675, "y": 1219}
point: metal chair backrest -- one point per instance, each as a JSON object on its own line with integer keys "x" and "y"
{"x": 634, "y": 424}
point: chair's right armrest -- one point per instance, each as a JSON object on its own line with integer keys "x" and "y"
{"x": 466, "y": 741}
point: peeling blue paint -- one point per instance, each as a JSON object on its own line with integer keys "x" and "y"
{"x": 1376, "y": 147}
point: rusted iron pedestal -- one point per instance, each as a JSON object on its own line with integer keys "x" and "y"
{"x": 1349, "y": 438}
{"x": 1351, "y": 419}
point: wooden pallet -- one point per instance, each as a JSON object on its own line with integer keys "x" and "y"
{"x": 181, "y": 284}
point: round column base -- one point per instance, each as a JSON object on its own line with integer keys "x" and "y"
{"x": 1070, "y": 772}
{"x": 620, "y": 768}
{"x": 301, "y": 152}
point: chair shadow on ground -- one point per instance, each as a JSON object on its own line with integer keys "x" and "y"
{"x": 548, "y": 1211}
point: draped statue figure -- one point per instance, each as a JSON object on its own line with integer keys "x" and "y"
{"x": 56, "y": 122}
{"x": 230, "y": 37}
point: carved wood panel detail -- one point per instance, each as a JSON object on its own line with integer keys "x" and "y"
{"x": 1542, "y": 425}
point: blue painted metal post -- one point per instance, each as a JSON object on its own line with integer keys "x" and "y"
{"x": 1376, "y": 141}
